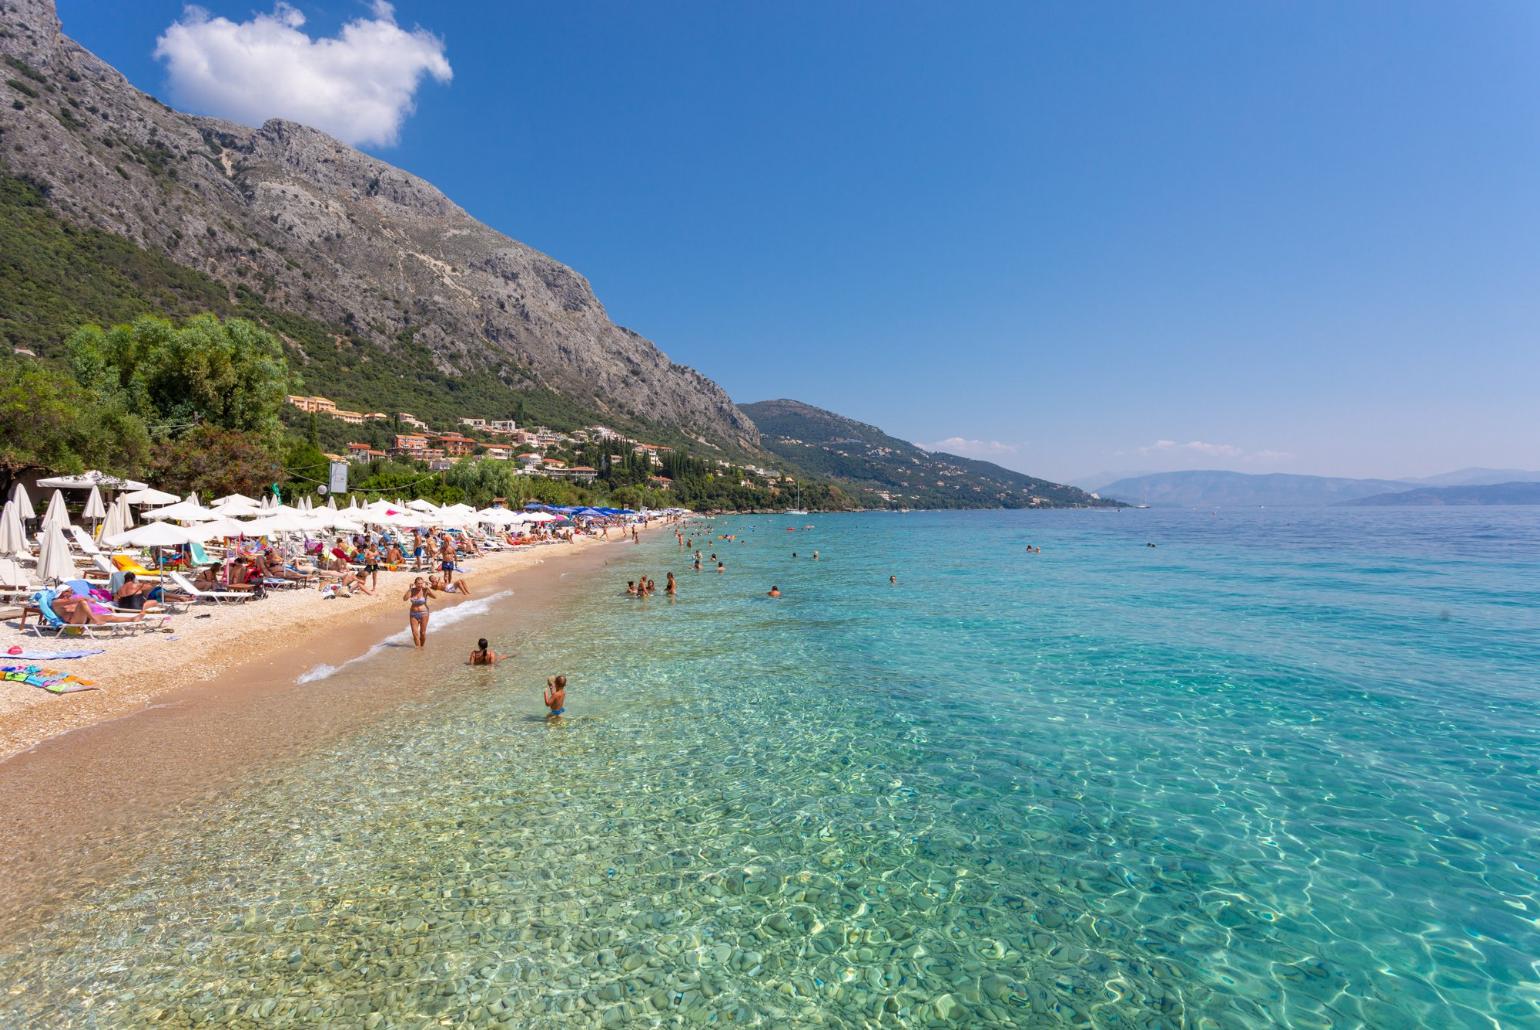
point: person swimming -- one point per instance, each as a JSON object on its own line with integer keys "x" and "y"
{"x": 484, "y": 655}
{"x": 893, "y": 581}
{"x": 775, "y": 591}
{"x": 555, "y": 696}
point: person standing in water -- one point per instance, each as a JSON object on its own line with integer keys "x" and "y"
{"x": 555, "y": 697}
{"x": 416, "y": 597}
{"x": 671, "y": 588}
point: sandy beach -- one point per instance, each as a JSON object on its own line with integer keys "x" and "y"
{"x": 272, "y": 639}
{"x": 183, "y": 716}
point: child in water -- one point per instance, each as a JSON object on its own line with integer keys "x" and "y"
{"x": 555, "y": 696}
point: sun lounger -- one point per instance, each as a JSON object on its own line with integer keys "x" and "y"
{"x": 200, "y": 557}
{"x": 48, "y": 621}
{"x": 125, "y": 563}
{"x": 14, "y": 580}
{"x": 84, "y": 542}
{"x": 186, "y": 586}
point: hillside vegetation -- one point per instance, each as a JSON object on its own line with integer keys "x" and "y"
{"x": 826, "y": 444}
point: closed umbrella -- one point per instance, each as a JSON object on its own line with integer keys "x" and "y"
{"x": 13, "y": 537}
{"x": 114, "y": 523}
{"x": 94, "y": 508}
{"x": 57, "y": 514}
{"x": 54, "y": 562}
{"x": 23, "y": 502}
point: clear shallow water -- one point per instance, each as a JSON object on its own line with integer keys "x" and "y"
{"x": 1282, "y": 769}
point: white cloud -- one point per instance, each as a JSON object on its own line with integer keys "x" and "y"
{"x": 1204, "y": 449}
{"x": 358, "y": 85}
{"x": 971, "y": 448}
{"x": 1212, "y": 450}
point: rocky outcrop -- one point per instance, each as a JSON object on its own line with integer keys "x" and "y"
{"x": 318, "y": 228}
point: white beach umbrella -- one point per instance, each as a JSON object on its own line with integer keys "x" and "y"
{"x": 236, "y": 507}
{"x": 94, "y": 508}
{"x": 87, "y": 480}
{"x": 57, "y": 514}
{"x": 206, "y": 531}
{"x": 23, "y": 502}
{"x": 331, "y": 503}
{"x": 342, "y": 525}
{"x": 422, "y": 505}
{"x": 54, "y": 561}
{"x": 13, "y": 537}
{"x": 150, "y": 495}
{"x": 155, "y": 534}
{"x": 285, "y": 522}
{"x": 227, "y": 498}
{"x": 183, "y": 511}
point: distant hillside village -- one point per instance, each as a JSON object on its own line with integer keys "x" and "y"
{"x": 536, "y": 450}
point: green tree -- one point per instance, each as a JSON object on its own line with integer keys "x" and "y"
{"x": 214, "y": 461}
{"x": 231, "y": 375}
{"x": 47, "y": 420}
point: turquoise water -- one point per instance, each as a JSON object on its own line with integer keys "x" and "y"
{"x": 1280, "y": 769}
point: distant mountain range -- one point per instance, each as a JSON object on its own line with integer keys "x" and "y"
{"x": 825, "y": 444}
{"x": 1244, "y": 489}
{"x": 1479, "y": 477}
{"x": 1490, "y": 493}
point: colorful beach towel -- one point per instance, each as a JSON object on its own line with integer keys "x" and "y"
{"x": 50, "y": 656}
{"x": 51, "y": 680}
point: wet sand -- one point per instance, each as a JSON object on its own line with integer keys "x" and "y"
{"x": 163, "y": 762}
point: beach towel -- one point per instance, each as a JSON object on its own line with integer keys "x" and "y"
{"x": 51, "y": 680}
{"x": 26, "y": 655}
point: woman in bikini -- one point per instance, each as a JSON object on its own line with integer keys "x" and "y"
{"x": 416, "y": 597}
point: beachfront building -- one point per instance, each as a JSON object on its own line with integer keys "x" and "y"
{"x": 352, "y": 418}
{"x": 502, "y": 426}
{"x": 455, "y": 445}
{"x": 406, "y": 418}
{"x": 530, "y": 460}
{"x": 474, "y": 423}
{"x": 498, "y": 453}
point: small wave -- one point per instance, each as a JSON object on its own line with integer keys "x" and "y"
{"x": 446, "y": 617}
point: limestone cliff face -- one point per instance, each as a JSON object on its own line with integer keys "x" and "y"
{"x": 321, "y": 229}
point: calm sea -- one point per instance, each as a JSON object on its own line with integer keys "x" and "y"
{"x": 1282, "y": 768}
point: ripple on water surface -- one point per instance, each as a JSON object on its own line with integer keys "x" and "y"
{"x": 1193, "y": 785}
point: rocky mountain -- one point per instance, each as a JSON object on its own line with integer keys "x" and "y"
{"x": 1436, "y": 496}
{"x": 312, "y": 227}
{"x": 1244, "y": 489}
{"x": 825, "y": 444}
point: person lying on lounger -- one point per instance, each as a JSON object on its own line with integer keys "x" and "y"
{"x": 78, "y": 611}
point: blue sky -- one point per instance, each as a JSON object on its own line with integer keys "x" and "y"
{"x": 1262, "y": 236}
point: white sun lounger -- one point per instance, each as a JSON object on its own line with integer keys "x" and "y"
{"x": 185, "y": 585}
{"x": 84, "y": 542}
{"x": 14, "y": 580}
